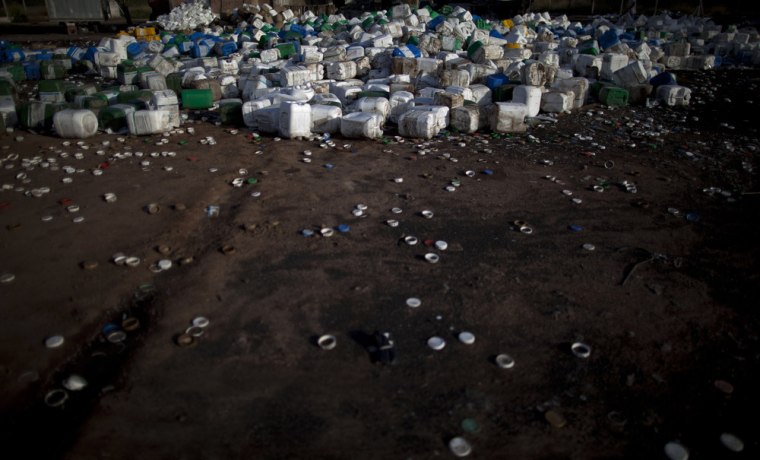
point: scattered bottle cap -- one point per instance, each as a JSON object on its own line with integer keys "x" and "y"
{"x": 132, "y": 261}
{"x": 467, "y": 338}
{"x": 343, "y": 228}
{"x": 469, "y": 173}
{"x": 185, "y": 340}
{"x": 200, "y": 321}
{"x": 54, "y": 341}
{"x": 427, "y": 214}
{"x": 676, "y": 451}
{"x": 307, "y": 232}
{"x": 441, "y": 245}
{"x": 411, "y": 240}
{"x": 327, "y": 232}
{"x": 6, "y": 278}
{"x": 504, "y": 361}
{"x": 56, "y": 398}
{"x": 164, "y": 264}
{"x": 110, "y": 197}
{"x": 460, "y": 447}
{"x": 488, "y": 172}
{"x": 398, "y": 180}
{"x": 581, "y": 350}
{"x": 432, "y": 257}
{"x": 130, "y": 324}
{"x": 436, "y": 343}
{"x": 396, "y": 210}
{"x": 589, "y": 247}
{"x": 327, "y": 342}
{"x": 392, "y": 222}
{"x": 413, "y": 302}
{"x": 153, "y": 208}
{"x": 195, "y": 331}
{"x": 74, "y": 382}
{"x": 731, "y": 442}
{"x": 555, "y": 419}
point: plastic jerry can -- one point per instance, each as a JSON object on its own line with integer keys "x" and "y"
{"x": 75, "y": 124}
{"x": 361, "y": 124}
{"x": 295, "y": 119}
{"x": 194, "y": 99}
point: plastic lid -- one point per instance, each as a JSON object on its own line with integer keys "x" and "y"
{"x": 460, "y": 447}
{"x": 54, "y": 341}
{"x": 589, "y": 247}
{"x": 413, "y": 302}
{"x": 467, "y": 338}
{"x": 441, "y": 245}
{"x": 581, "y": 349}
{"x": 732, "y": 442}
{"x": 411, "y": 240}
{"x": 505, "y": 361}
{"x": 426, "y": 213}
{"x": 165, "y": 264}
{"x": 327, "y": 342}
{"x": 436, "y": 343}
{"x": 343, "y": 228}
{"x": 74, "y": 382}
{"x": 676, "y": 451}
{"x": 432, "y": 257}
{"x": 7, "y": 278}
{"x": 200, "y": 321}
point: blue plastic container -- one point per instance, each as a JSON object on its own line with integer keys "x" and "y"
{"x": 609, "y": 39}
{"x": 665, "y": 78}
{"x": 496, "y": 80}
{"x": 32, "y": 70}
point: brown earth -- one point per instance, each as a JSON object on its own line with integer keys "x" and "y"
{"x": 665, "y": 302}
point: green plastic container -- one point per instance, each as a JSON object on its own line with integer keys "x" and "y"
{"x": 114, "y": 117}
{"x": 195, "y": 99}
{"x": 50, "y": 70}
{"x": 613, "y": 96}
{"x": 503, "y": 93}
{"x": 51, "y": 86}
{"x": 16, "y": 71}
{"x": 174, "y": 82}
{"x": 8, "y": 89}
{"x": 39, "y": 115}
{"x": 143, "y": 95}
{"x": 286, "y": 50}
{"x": 231, "y": 112}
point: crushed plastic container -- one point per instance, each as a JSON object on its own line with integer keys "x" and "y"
{"x": 508, "y": 117}
{"x": 530, "y": 96}
{"x": 361, "y": 124}
{"x": 418, "y": 123}
{"x": 325, "y": 118}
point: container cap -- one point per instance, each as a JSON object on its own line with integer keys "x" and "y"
{"x": 432, "y": 257}
{"x": 581, "y": 350}
{"x": 676, "y": 451}
{"x": 505, "y": 361}
{"x": 413, "y": 302}
{"x": 327, "y": 342}
{"x": 54, "y": 341}
{"x": 467, "y": 338}
{"x": 74, "y": 382}
{"x": 436, "y": 343}
{"x": 732, "y": 442}
{"x": 343, "y": 228}
{"x": 7, "y": 278}
{"x": 200, "y": 321}
{"x": 460, "y": 447}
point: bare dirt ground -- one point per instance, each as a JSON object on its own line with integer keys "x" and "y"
{"x": 666, "y": 300}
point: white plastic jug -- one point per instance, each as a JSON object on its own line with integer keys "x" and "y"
{"x": 250, "y": 107}
{"x": 295, "y": 120}
{"x": 530, "y": 96}
{"x": 76, "y": 124}
{"x": 144, "y": 122}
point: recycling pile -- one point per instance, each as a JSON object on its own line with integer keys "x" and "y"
{"x": 423, "y": 71}
{"x": 187, "y": 16}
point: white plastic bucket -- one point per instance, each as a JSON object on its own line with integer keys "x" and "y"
{"x": 361, "y": 124}
{"x": 76, "y": 124}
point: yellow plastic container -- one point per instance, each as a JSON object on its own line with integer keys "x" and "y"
{"x": 513, "y": 45}
{"x": 507, "y": 23}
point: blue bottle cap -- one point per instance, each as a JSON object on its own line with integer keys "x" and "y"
{"x": 488, "y": 172}
{"x": 343, "y": 228}
{"x": 576, "y": 228}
